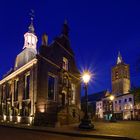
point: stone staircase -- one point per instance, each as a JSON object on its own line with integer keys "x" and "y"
{"x": 68, "y": 115}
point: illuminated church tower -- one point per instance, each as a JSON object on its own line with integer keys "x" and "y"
{"x": 29, "y": 49}
{"x": 30, "y": 39}
{"x": 120, "y": 77}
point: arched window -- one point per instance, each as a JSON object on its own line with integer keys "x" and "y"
{"x": 65, "y": 63}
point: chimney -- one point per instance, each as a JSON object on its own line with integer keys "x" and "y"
{"x": 44, "y": 39}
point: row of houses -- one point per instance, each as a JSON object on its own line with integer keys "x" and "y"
{"x": 122, "y": 107}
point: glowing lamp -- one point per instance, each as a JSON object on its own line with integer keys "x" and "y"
{"x": 11, "y": 118}
{"x": 4, "y": 117}
{"x": 30, "y": 119}
{"x": 86, "y": 121}
{"x": 18, "y": 119}
{"x": 86, "y": 76}
{"x": 111, "y": 97}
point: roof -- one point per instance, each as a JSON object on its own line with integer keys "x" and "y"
{"x": 119, "y": 59}
{"x": 24, "y": 57}
{"x": 124, "y": 94}
{"x": 96, "y": 96}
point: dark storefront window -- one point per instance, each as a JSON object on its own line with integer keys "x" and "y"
{"x": 51, "y": 87}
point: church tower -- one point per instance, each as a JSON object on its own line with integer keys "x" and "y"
{"x": 29, "y": 49}
{"x": 120, "y": 77}
{"x": 30, "y": 39}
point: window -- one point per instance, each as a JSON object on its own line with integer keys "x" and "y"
{"x": 119, "y": 101}
{"x": 115, "y": 102}
{"x": 130, "y": 99}
{"x": 15, "y": 112}
{"x": 16, "y": 86}
{"x": 120, "y": 107}
{"x": 2, "y": 93}
{"x": 26, "y": 109}
{"x": 8, "y": 89}
{"x": 65, "y": 63}
{"x": 66, "y": 81}
{"x": 51, "y": 87}
{"x": 110, "y": 107}
{"x": 116, "y": 75}
{"x": 73, "y": 113}
{"x": 125, "y": 100}
{"x": 27, "y": 87}
{"x": 125, "y": 74}
{"x": 73, "y": 93}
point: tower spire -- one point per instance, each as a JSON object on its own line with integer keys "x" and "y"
{"x": 31, "y": 26}
{"x": 30, "y": 39}
{"x": 119, "y": 59}
{"x": 65, "y": 29}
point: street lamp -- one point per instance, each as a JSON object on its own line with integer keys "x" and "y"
{"x": 86, "y": 121}
{"x": 111, "y": 97}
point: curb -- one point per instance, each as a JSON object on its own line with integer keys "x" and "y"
{"x": 75, "y": 134}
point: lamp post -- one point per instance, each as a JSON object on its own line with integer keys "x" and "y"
{"x": 86, "y": 121}
{"x": 112, "y": 99}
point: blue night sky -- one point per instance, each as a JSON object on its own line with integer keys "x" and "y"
{"x": 98, "y": 30}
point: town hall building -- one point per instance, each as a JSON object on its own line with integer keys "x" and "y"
{"x": 43, "y": 87}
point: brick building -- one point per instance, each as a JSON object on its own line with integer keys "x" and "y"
{"x": 43, "y": 87}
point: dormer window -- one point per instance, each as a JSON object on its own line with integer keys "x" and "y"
{"x": 65, "y": 63}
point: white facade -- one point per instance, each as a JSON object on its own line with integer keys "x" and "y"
{"x": 99, "y": 109}
{"x": 30, "y": 41}
{"x": 124, "y": 104}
